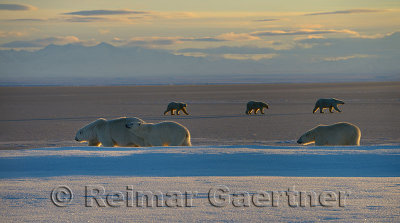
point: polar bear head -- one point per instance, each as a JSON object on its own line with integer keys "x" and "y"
{"x": 308, "y": 137}
{"x": 88, "y": 132}
{"x": 265, "y": 105}
{"x": 138, "y": 127}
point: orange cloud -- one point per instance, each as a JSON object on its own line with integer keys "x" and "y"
{"x": 237, "y": 37}
{"x": 58, "y": 40}
{"x": 334, "y": 59}
{"x": 11, "y": 34}
{"x": 302, "y": 32}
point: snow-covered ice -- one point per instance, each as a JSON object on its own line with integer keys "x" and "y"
{"x": 251, "y": 160}
{"x": 368, "y": 174}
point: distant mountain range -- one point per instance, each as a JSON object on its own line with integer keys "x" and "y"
{"x": 107, "y": 64}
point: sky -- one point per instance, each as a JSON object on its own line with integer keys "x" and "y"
{"x": 218, "y": 29}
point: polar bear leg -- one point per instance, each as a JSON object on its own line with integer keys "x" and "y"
{"x": 256, "y": 110}
{"x": 330, "y": 109}
{"x": 178, "y": 141}
{"x": 321, "y": 109}
{"x": 315, "y": 109}
{"x": 154, "y": 141}
{"x": 336, "y": 108}
{"x": 146, "y": 143}
{"x": 320, "y": 141}
{"x": 185, "y": 111}
{"x": 186, "y": 141}
{"x": 166, "y": 111}
{"x": 94, "y": 142}
{"x": 177, "y": 111}
{"x": 107, "y": 142}
{"x": 172, "y": 111}
{"x": 104, "y": 139}
{"x": 354, "y": 139}
{"x": 262, "y": 111}
{"x": 174, "y": 143}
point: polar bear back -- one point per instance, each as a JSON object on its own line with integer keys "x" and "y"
{"x": 337, "y": 134}
{"x": 327, "y": 102}
{"x": 167, "y": 133}
{"x": 176, "y": 105}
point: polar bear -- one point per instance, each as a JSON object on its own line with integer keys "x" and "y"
{"x": 178, "y": 106}
{"x": 341, "y": 133}
{"x": 161, "y": 134}
{"x": 109, "y": 133}
{"x": 330, "y": 103}
{"x": 255, "y": 106}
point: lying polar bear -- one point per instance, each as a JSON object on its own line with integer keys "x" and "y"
{"x": 109, "y": 133}
{"x": 255, "y": 106}
{"x": 341, "y": 133}
{"x": 330, "y": 103}
{"x": 161, "y": 134}
{"x": 176, "y": 106}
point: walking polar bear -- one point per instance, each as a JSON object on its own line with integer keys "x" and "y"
{"x": 161, "y": 134}
{"x": 109, "y": 133}
{"x": 255, "y": 106}
{"x": 341, "y": 133}
{"x": 176, "y": 106}
{"x": 330, "y": 103}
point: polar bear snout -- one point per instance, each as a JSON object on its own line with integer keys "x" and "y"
{"x": 76, "y": 139}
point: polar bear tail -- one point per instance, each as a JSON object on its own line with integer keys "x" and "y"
{"x": 186, "y": 141}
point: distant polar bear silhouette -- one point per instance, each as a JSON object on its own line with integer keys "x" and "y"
{"x": 330, "y": 103}
{"x": 255, "y": 106}
{"x": 109, "y": 133}
{"x": 161, "y": 134}
{"x": 341, "y": 133}
{"x": 176, "y": 106}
